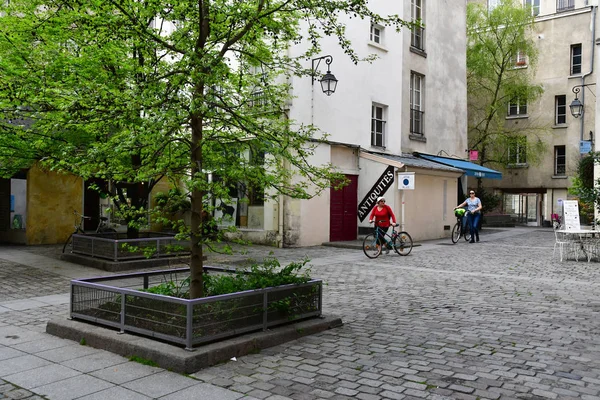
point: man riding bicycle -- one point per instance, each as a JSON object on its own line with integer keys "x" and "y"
{"x": 382, "y": 213}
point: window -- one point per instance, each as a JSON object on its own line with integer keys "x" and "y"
{"x": 560, "y": 160}
{"x": 378, "y": 125}
{"x": 520, "y": 59}
{"x": 535, "y": 6}
{"x": 564, "y": 5}
{"x": 517, "y": 107}
{"x": 417, "y": 34}
{"x": 376, "y": 34}
{"x": 575, "y": 59}
{"x": 560, "y": 109}
{"x": 493, "y": 4}
{"x": 517, "y": 151}
{"x": 416, "y": 103}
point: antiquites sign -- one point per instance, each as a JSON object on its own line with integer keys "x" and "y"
{"x": 384, "y": 182}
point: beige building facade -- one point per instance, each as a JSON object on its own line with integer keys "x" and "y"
{"x": 565, "y": 33}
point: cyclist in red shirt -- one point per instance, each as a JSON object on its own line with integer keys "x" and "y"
{"x": 381, "y": 214}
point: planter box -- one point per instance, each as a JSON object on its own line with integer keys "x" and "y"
{"x": 117, "y": 302}
{"x": 110, "y": 246}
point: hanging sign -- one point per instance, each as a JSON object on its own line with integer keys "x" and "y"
{"x": 473, "y": 155}
{"x": 384, "y": 182}
{"x": 406, "y": 181}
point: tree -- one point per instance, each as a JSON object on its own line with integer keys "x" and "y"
{"x": 501, "y": 59}
{"x": 134, "y": 90}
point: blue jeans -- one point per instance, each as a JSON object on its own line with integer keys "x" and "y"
{"x": 473, "y": 220}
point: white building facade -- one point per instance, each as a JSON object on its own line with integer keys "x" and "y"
{"x": 411, "y": 99}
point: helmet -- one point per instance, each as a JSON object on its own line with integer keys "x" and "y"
{"x": 459, "y": 212}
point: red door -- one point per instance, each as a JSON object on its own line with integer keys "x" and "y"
{"x": 343, "y": 223}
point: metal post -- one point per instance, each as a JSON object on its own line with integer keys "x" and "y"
{"x": 265, "y": 311}
{"x": 189, "y": 326}
{"x": 123, "y": 296}
{"x": 402, "y": 225}
{"x": 116, "y": 247}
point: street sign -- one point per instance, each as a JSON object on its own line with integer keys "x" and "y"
{"x": 406, "y": 180}
{"x": 585, "y": 146}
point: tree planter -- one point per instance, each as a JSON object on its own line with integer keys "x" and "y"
{"x": 114, "y": 246}
{"x": 117, "y": 302}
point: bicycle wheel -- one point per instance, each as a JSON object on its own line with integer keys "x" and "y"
{"x": 456, "y": 232}
{"x": 467, "y": 233}
{"x": 403, "y": 243}
{"x": 68, "y": 242}
{"x": 370, "y": 246}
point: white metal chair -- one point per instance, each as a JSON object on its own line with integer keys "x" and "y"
{"x": 566, "y": 245}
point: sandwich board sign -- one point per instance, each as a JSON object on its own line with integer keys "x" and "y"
{"x": 571, "y": 215}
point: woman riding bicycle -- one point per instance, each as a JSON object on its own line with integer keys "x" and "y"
{"x": 382, "y": 213}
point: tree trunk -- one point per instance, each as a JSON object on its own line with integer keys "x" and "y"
{"x": 196, "y": 262}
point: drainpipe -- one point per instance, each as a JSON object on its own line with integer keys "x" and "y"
{"x": 594, "y": 9}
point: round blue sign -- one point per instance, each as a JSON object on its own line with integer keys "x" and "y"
{"x": 406, "y": 182}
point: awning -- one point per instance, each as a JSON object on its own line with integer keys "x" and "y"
{"x": 470, "y": 169}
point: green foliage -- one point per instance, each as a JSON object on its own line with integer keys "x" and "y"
{"x": 259, "y": 276}
{"x": 584, "y": 189}
{"x": 490, "y": 201}
{"x": 143, "y": 361}
{"x": 135, "y": 91}
{"x": 495, "y": 79}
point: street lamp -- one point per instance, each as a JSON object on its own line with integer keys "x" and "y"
{"x": 328, "y": 82}
{"x": 576, "y": 105}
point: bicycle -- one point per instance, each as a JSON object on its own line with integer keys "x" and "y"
{"x": 103, "y": 227}
{"x": 401, "y": 242}
{"x": 461, "y": 228}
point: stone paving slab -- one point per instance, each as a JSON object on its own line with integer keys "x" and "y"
{"x": 500, "y": 319}
{"x": 169, "y": 356}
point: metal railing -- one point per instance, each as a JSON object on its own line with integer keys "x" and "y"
{"x": 116, "y": 246}
{"x": 117, "y": 301}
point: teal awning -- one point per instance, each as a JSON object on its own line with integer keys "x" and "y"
{"x": 470, "y": 169}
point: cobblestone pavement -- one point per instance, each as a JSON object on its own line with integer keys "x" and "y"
{"x": 501, "y": 319}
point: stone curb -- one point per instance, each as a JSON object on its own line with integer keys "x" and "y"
{"x": 177, "y": 359}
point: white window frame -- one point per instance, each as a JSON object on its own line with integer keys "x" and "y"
{"x": 535, "y": 6}
{"x": 560, "y": 109}
{"x": 417, "y": 33}
{"x": 573, "y": 58}
{"x": 378, "y": 125}
{"x": 520, "y": 107}
{"x": 520, "y": 59}
{"x": 376, "y": 34}
{"x": 417, "y": 84}
{"x": 492, "y": 4}
{"x": 518, "y": 145}
{"x": 563, "y": 158}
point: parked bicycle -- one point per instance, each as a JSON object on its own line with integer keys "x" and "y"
{"x": 400, "y": 242}
{"x": 103, "y": 227}
{"x": 461, "y": 228}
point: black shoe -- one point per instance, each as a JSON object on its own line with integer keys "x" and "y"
{"x": 477, "y": 240}
{"x": 472, "y": 241}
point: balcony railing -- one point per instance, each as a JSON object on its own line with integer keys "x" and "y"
{"x": 417, "y": 38}
{"x": 416, "y": 122}
{"x": 564, "y": 5}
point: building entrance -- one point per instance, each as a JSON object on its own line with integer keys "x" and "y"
{"x": 522, "y": 207}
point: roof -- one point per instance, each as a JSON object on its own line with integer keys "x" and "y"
{"x": 469, "y": 168}
{"x": 411, "y": 161}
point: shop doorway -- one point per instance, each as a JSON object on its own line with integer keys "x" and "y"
{"x": 343, "y": 220}
{"x": 522, "y": 207}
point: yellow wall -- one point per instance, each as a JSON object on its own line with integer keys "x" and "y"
{"x": 51, "y": 199}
